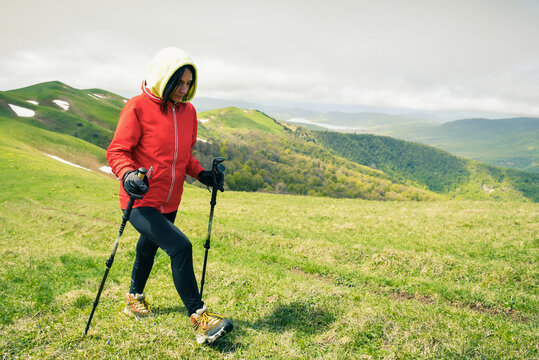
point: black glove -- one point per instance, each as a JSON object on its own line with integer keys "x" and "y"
{"x": 133, "y": 186}
{"x": 214, "y": 180}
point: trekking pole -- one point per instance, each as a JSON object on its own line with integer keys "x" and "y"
{"x": 141, "y": 172}
{"x": 217, "y": 168}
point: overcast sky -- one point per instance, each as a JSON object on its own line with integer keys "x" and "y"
{"x": 425, "y": 54}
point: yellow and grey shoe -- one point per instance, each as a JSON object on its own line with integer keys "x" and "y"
{"x": 137, "y": 306}
{"x": 209, "y": 327}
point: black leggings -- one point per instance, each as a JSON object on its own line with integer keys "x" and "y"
{"x": 158, "y": 231}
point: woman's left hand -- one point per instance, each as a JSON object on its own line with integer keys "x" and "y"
{"x": 209, "y": 179}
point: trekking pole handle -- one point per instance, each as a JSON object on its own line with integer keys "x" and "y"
{"x": 141, "y": 173}
{"x": 218, "y": 168}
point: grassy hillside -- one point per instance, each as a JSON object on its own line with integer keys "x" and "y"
{"x": 295, "y": 160}
{"x": 20, "y": 137}
{"x": 92, "y": 114}
{"x": 511, "y": 143}
{"x": 238, "y": 134}
{"x": 436, "y": 169}
{"x": 235, "y": 118}
{"x": 265, "y": 155}
{"x": 301, "y": 277}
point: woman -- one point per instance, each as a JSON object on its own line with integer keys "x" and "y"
{"x": 158, "y": 129}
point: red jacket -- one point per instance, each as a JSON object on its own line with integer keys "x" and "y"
{"x": 145, "y": 137}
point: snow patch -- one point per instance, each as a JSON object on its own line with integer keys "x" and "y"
{"x": 203, "y": 120}
{"x": 22, "y": 112}
{"x": 96, "y": 96}
{"x": 63, "y": 104}
{"x": 106, "y": 169}
{"x": 33, "y": 102}
{"x": 67, "y": 162}
{"x": 203, "y": 140}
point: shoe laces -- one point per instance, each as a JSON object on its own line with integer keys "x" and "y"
{"x": 141, "y": 304}
{"x": 208, "y": 319}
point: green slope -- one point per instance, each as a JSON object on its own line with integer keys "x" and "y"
{"x": 301, "y": 278}
{"x": 95, "y": 105}
{"x": 512, "y": 143}
{"x": 92, "y": 114}
{"x": 25, "y": 137}
{"x": 265, "y": 155}
{"x": 36, "y": 188}
{"x": 436, "y": 169}
{"x": 262, "y": 155}
{"x": 289, "y": 160}
{"x": 235, "y": 118}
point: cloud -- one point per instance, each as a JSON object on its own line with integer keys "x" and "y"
{"x": 424, "y": 54}
{"x": 79, "y": 69}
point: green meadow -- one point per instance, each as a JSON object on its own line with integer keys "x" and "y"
{"x": 301, "y": 277}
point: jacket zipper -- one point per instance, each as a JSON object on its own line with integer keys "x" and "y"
{"x": 175, "y": 157}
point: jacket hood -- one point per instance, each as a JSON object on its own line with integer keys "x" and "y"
{"x": 163, "y": 66}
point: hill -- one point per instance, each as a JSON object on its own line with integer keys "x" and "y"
{"x": 90, "y": 114}
{"x": 237, "y": 134}
{"x": 266, "y": 155}
{"x": 511, "y": 142}
{"x": 507, "y": 142}
{"x": 439, "y": 171}
{"x": 300, "y": 277}
{"x": 469, "y": 134}
{"x": 258, "y": 162}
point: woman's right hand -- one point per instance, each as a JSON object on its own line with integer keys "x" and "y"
{"x": 134, "y": 186}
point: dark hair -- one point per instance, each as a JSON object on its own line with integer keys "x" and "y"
{"x": 172, "y": 84}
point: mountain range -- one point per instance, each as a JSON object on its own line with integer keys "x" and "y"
{"x": 265, "y": 153}
{"x": 497, "y": 139}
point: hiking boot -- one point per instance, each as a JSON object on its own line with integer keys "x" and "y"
{"x": 209, "y": 327}
{"x": 137, "y": 306}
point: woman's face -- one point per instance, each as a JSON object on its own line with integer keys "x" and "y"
{"x": 182, "y": 89}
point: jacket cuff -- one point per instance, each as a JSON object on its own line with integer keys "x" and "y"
{"x": 198, "y": 174}
{"x": 122, "y": 173}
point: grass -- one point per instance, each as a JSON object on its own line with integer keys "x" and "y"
{"x": 243, "y": 119}
{"x": 509, "y": 142}
{"x": 301, "y": 277}
{"x": 283, "y": 159}
{"x": 89, "y": 118}
{"x": 18, "y": 135}
{"x": 83, "y": 103}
